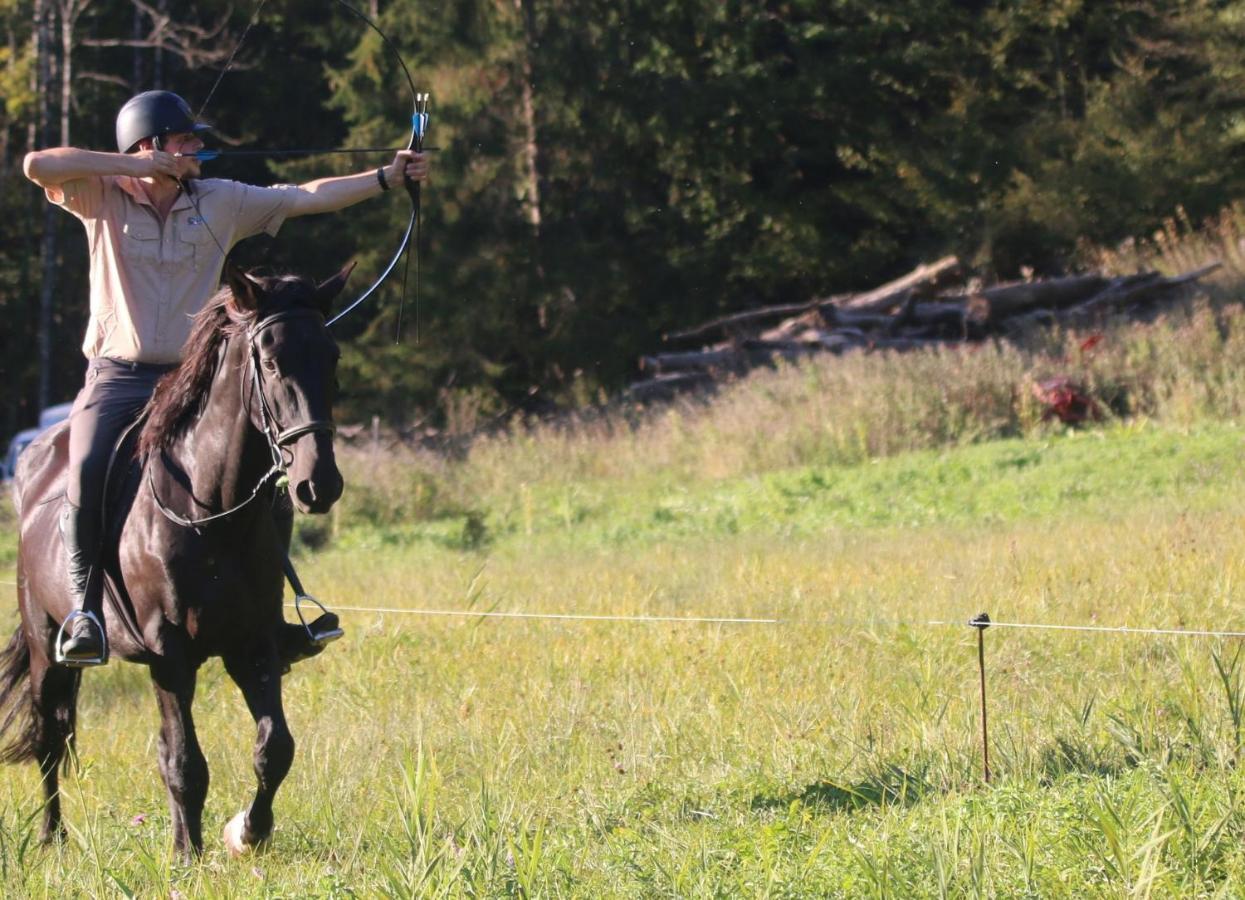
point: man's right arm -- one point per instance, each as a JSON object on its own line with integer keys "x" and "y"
{"x": 53, "y": 167}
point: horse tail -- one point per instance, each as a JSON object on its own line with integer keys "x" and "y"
{"x": 17, "y": 721}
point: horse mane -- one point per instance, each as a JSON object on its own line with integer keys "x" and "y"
{"x": 180, "y": 394}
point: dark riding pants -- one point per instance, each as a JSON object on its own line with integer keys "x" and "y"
{"x": 114, "y": 393}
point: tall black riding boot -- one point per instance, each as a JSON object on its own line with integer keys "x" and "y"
{"x": 84, "y": 643}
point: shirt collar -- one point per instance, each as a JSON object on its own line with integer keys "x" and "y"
{"x": 134, "y": 188}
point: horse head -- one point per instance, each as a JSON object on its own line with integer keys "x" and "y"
{"x": 292, "y": 378}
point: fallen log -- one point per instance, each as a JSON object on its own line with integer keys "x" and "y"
{"x": 834, "y": 318}
{"x": 725, "y": 359}
{"x": 903, "y": 344}
{"x": 1006, "y": 300}
{"x": 1142, "y": 288}
{"x": 924, "y": 280}
{"x": 738, "y": 321}
{"x": 698, "y": 360}
{"x": 1120, "y": 292}
{"x": 870, "y": 310}
{"x": 666, "y": 387}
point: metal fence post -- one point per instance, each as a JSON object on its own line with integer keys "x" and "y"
{"x": 981, "y": 622}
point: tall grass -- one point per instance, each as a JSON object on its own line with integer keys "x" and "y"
{"x": 1186, "y": 367}
{"x": 836, "y": 757}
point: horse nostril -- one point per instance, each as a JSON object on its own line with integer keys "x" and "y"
{"x": 318, "y": 494}
{"x": 305, "y": 492}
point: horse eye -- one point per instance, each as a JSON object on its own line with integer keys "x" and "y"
{"x": 269, "y": 364}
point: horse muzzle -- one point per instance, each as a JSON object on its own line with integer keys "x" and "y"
{"x": 315, "y": 482}
{"x": 316, "y": 496}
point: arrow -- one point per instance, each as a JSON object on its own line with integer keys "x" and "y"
{"x": 209, "y": 155}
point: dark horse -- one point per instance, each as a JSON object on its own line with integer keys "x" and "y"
{"x": 197, "y": 570}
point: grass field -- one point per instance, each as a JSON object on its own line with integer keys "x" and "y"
{"x": 837, "y": 754}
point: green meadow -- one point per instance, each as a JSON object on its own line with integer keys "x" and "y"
{"x": 872, "y": 504}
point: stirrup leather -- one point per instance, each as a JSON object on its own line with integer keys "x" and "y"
{"x": 80, "y": 662}
{"x": 318, "y": 638}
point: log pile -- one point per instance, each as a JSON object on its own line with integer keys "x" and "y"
{"x": 931, "y": 305}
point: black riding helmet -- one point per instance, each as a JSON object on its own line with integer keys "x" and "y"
{"x": 153, "y": 114}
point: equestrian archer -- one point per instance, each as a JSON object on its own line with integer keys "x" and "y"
{"x": 158, "y": 235}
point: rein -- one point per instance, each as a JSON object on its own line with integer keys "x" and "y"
{"x": 277, "y": 439}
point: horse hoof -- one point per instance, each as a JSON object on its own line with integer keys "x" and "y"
{"x": 232, "y": 836}
{"x": 53, "y": 836}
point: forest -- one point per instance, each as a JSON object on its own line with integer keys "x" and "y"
{"x": 607, "y": 172}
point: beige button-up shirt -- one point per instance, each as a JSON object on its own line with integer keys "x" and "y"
{"x": 148, "y": 277}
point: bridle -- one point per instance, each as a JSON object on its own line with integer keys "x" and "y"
{"x": 277, "y": 438}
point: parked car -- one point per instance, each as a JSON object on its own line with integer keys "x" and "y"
{"x": 23, "y": 439}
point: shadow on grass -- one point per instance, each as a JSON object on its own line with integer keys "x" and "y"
{"x": 891, "y": 785}
{"x": 1065, "y": 757}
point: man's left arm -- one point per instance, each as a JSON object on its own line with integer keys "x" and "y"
{"x": 330, "y": 194}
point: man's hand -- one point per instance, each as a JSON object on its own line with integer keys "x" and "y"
{"x": 415, "y": 165}
{"x": 154, "y": 163}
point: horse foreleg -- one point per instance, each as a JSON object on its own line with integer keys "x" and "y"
{"x": 182, "y": 764}
{"x": 258, "y": 675}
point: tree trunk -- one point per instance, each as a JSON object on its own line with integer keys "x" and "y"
{"x": 69, "y": 15}
{"x": 531, "y": 159}
{"x": 44, "y": 62}
{"x": 136, "y": 61}
{"x": 531, "y": 199}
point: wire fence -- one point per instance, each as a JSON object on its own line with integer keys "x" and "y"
{"x": 980, "y": 623}
{"x": 775, "y": 620}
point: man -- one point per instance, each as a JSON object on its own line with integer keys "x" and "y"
{"x": 158, "y": 238}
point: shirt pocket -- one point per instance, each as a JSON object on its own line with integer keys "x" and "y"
{"x": 141, "y": 241}
{"x": 194, "y": 244}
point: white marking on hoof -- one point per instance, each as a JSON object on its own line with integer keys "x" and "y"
{"x": 232, "y": 836}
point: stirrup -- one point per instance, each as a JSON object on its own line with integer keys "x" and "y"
{"x": 80, "y": 662}
{"x": 318, "y": 638}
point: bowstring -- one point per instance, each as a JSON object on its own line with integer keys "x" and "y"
{"x": 233, "y": 54}
{"x": 190, "y": 195}
{"x": 414, "y": 217}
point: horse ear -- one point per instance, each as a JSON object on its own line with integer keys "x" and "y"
{"x": 245, "y": 291}
{"x": 330, "y": 288}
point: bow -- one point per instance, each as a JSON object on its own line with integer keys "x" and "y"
{"x": 419, "y": 125}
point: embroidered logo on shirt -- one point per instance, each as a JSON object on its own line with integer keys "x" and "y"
{"x": 194, "y": 220}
